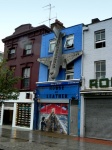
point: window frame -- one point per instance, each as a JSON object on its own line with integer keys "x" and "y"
{"x": 69, "y": 74}
{"x": 101, "y": 42}
{"x": 70, "y": 70}
{"x": 26, "y": 78}
{"x": 53, "y": 41}
{"x": 25, "y": 52}
{"x": 12, "y": 55}
{"x": 100, "y": 71}
{"x": 69, "y": 37}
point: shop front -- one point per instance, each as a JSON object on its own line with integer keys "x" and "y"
{"x": 17, "y": 113}
{"x": 97, "y": 110}
{"x": 56, "y": 107}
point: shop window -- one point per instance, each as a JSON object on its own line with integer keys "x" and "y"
{"x": 26, "y": 77}
{"x": 23, "y": 115}
{"x": 70, "y": 71}
{"x": 11, "y": 53}
{"x": 100, "y": 39}
{"x": 52, "y": 45}
{"x": 28, "y": 49}
{"x": 100, "y": 69}
{"x": 69, "y": 43}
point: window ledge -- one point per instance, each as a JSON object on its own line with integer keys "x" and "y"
{"x": 65, "y": 48}
{"x": 27, "y": 55}
{"x": 25, "y": 89}
{"x": 50, "y": 52}
{"x": 11, "y": 58}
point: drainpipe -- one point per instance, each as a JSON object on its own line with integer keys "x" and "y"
{"x": 82, "y": 105}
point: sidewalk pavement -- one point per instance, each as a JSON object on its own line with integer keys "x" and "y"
{"x": 17, "y": 139}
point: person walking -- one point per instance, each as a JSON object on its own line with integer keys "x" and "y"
{"x": 43, "y": 124}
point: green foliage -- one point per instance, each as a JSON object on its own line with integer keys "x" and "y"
{"x": 7, "y": 83}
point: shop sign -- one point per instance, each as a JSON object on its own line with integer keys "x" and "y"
{"x": 56, "y": 95}
{"x": 58, "y": 92}
{"x": 102, "y": 83}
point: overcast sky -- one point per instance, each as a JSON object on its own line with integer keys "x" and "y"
{"x": 14, "y": 13}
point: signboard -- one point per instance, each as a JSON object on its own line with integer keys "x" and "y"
{"x": 58, "y": 91}
{"x": 102, "y": 83}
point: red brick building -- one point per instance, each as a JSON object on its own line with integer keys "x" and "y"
{"x": 22, "y": 49}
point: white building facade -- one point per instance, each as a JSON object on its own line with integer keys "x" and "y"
{"x": 96, "y": 93}
{"x": 18, "y": 113}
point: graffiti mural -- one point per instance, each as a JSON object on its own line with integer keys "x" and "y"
{"x": 54, "y": 117}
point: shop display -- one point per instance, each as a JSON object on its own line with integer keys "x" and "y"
{"x": 23, "y": 114}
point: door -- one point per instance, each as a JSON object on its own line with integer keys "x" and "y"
{"x": 74, "y": 117}
{"x": 8, "y": 116}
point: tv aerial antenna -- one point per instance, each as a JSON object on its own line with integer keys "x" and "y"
{"x": 49, "y": 19}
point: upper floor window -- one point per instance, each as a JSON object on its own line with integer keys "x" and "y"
{"x": 69, "y": 43}
{"x": 100, "y": 39}
{"x": 70, "y": 71}
{"x": 100, "y": 69}
{"x": 26, "y": 77}
{"x": 28, "y": 49}
{"x": 11, "y": 53}
{"x": 52, "y": 45}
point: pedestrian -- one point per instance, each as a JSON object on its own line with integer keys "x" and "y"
{"x": 43, "y": 124}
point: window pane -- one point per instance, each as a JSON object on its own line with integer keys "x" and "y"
{"x": 100, "y": 69}
{"x": 100, "y": 45}
{"x": 26, "y": 72}
{"x": 69, "y": 76}
{"x": 28, "y": 46}
{"x": 97, "y": 36}
{"x": 52, "y": 46}
{"x": 12, "y": 51}
{"x": 28, "y": 51}
{"x": 102, "y": 66}
{"x": 98, "y": 66}
{"x": 103, "y": 35}
{"x": 102, "y": 75}
{"x": 97, "y": 75}
{"x": 69, "y": 42}
{"x": 26, "y": 83}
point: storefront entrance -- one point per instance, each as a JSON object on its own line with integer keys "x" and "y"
{"x": 7, "y": 117}
{"x": 74, "y": 117}
{"x": 59, "y": 98}
{"x": 54, "y": 117}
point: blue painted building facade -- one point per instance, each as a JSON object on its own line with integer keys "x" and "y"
{"x": 60, "y": 94}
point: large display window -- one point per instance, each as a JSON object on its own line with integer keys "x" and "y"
{"x": 23, "y": 115}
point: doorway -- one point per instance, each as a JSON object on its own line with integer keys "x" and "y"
{"x": 7, "y": 117}
{"x": 74, "y": 117}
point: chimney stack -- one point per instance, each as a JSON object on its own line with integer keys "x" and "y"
{"x": 95, "y": 20}
{"x": 57, "y": 24}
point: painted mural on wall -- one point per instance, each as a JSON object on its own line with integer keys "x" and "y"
{"x": 54, "y": 117}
